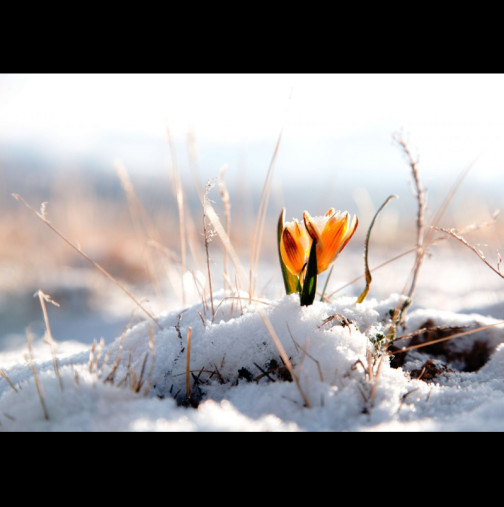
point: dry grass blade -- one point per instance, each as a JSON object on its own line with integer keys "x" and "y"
{"x": 97, "y": 353}
{"x": 142, "y": 226}
{"x": 261, "y": 217}
{"x": 322, "y": 295}
{"x": 304, "y": 350}
{"x": 188, "y": 369}
{"x": 48, "y": 335}
{"x": 31, "y": 364}
{"x": 283, "y": 355}
{"x": 179, "y": 195}
{"x": 8, "y": 380}
{"x": 375, "y": 383}
{"x": 128, "y": 370}
{"x": 227, "y": 212}
{"x": 117, "y": 360}
{"x": 91, "y": 356}
{"x": 193, "y": 158}
{"x": 137, "y": 383}
{"x": 383, "y": 264}
{"x": 207, "y": 234}
{"x": 148, "y": 382}
{"x": 219, "y": 229}
{"x": 139, "y": 217}
{"x": 85, "y": 256}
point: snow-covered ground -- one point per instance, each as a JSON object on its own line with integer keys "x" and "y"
{"x": 238, "y": 381}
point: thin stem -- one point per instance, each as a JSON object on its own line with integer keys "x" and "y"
{"x": 94, "y": 263}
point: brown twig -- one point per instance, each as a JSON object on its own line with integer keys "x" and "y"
{"x": 454, "y": 234}
{"x": 423, "y": 241}
{"x": 420, "y": 214}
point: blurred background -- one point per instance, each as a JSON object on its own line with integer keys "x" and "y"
{"x": 109, "y": 154}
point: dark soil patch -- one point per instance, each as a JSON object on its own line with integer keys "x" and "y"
{"x": 471, "y": 359}
{"x": 429, "y": 371}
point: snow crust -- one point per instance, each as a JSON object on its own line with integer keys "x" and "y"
{"x": 238, "y": 381}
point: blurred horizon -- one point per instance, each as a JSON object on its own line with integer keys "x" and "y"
{"x": 329, "y": 122}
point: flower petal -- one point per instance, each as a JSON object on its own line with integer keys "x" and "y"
{"x": 294, "y": 246}
{"x": 331, "y": 232}
{"x": 350, "y": 232}
{"x": 312, "y": 229}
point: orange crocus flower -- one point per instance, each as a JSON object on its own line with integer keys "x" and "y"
{"x": 331, "y": 232}
{"x": 295, "y": 245}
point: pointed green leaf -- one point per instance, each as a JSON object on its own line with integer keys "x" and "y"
{"x": 310, "y": 282}
{"x": 364, "y": 293}
{"x": 291, "y": 281}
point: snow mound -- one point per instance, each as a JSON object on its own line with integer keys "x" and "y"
{"x": 237, "y": 380}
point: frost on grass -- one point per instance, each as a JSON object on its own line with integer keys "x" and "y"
{"x": 238, "y": 382}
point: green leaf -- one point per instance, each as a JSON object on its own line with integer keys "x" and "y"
{"x": 310, "y": 282}
{"x": 364, "y": 293}
{"x": 291, "y": 281}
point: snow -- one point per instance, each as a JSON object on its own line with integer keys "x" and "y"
{"x": 238, "y": 382}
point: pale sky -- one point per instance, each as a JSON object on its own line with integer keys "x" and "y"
{"x": 345, "y": 120}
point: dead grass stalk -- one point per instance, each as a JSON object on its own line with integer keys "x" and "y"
{"x": 260, "y": 220}
{"x": 31, "y": 363}
{"x": 227, "y": 213}
{"x": 179, "y": 195}
{"x": 102, "y": 270}
{"x": 188, "y": 360}
{"x": 48, "y": 338}
{"x": 455, "y": 234}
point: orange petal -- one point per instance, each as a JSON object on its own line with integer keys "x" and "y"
{"x": 334, "y": 232}
{"x": 310, "y": 226}
{"x": 350, "y": 232}
{"x": 293, "y": 247}
{"x": 329, "y": 250}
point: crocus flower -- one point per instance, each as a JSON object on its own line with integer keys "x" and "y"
{"x": 331, "y": 232}
{"x": 295, "y": 245}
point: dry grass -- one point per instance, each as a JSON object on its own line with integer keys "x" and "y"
{"x": 43, "y": 298}
{"x": 31, "y": 363}
{"x": 188, "y": 362}
{"x": 77, "y": 248}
